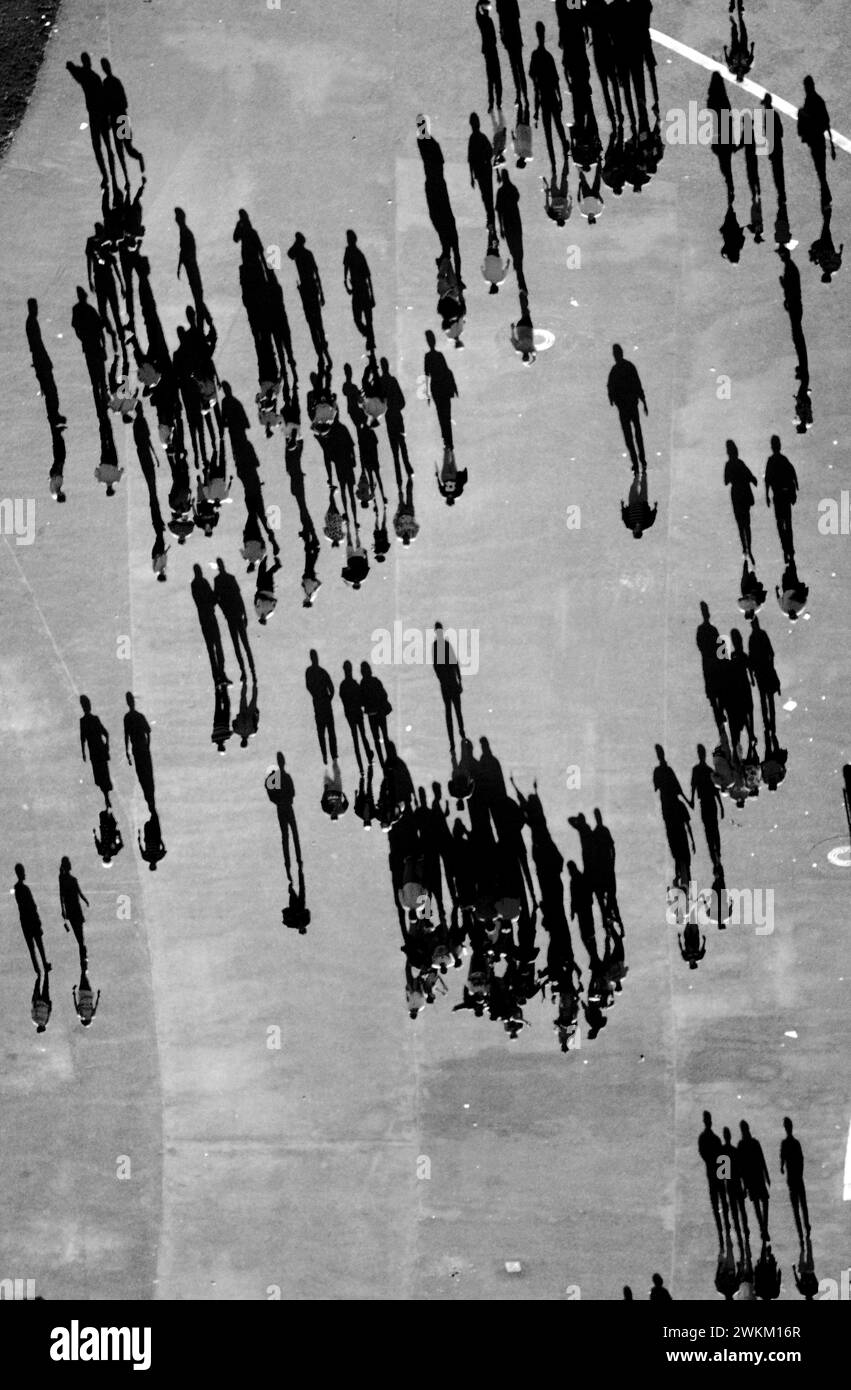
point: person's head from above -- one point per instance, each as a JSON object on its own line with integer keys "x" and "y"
{"x": 707, "y": 1119}
{"x": 766, "y": 101}
{"x": 660, "y": 753}
{"x": 732, "y": 449}
{"x": 314, "y": 657}
{"x": 540, "y": 30}
{"x": 131, "y": 700}
{"x": 483, "y": 6}
{"x": 179, "y": 216}
{"x": 351, "y": 238}
{"x": 745, "y": 1128}
{"x": 299, "y": 239}
{"x": 32, "y": 307}
{"x": 87, "y": 1022}
{"x": 692, "y": 965}
{"x": 598, "y": 816}
{"x": 221, "y": 565}
{"x": 475, "y": 123}
{"x": 85, "y": 60}
{"x": 627, "y": 1291}
{"x": 430, "y": 338}
{"x": 20, "y": 873}
{"x": 787, "y": 1124}
{"x": 365, "y": 668}
{"x": 106, "y": 65}
{"x": 658, "y": 1281}
{"x": 704, "y": 610}
{"x": 809, "y": 86}
{"x": 86, "y": 704}
{"x": 617, "y": 352}
{"x": 775, "y": 444}
{"x": 81, "y": 294}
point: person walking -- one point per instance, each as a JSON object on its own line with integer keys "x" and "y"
{"x": 115, "y": 106}
{"x": 709, "y": 1146}
{"x": 321, "y": 689}
{"x": 357, "y": 282}
{"x": 71, "y": 898}
{"x": 445, "y": 662}
{"x": 741, "y": 482}
{"x": 792, "y": 1164}
{"x": 92, "y": 84}
{"x": 480, "y": 164}
{"x": 137, "y": 739}
{"x": 441, "y": 387}
{"x": 548, "y": 98}
{"x": 376, "y": 707}
{"x": 704, "y": 789}
{"x": 815, "y": 132}
{"x": 625, "y": 394}
{"x": 94, "y": 737}
{"x": 229, "y": 599}
{"x": 781, "y": 488}
{"x": 350, "y": 697}
{"x": 511, "y": 225}
{"x": 755, "y": 1175}
{"x": 490, "y": 52}
{"x": 30, "y": 920}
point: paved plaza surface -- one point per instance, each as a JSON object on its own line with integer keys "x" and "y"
{"x": 174, "y": 1149}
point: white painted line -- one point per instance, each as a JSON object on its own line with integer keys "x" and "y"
{"x": 846, "y": 1190}
{"x": 712, "y": 65}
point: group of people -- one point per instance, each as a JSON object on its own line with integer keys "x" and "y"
{"x": 737, "y": 1175}
{"x": 71, "y": 902}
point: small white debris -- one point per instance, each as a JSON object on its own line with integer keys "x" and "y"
{"x": 790, "y": 1034}
{"x": 513, "y": 1267}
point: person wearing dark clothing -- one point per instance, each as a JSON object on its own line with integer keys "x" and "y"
{"x": 357, "y": 282}
{"x": 512, "y": 41}
{"x": 755, "y": 1175}
{"x": 510, "y": 224}
{"x": 625, "y": 392}
{"x": 440, "y": 387}
{"x": 89, "y": 328}
{"x": 490, "y": 51}
{"x": 548, "y": 99}
{"x": 280, "y": 790}
{"x": 187, "y": 260}
{"x": 205, "y": 603}
{"x": 115, "y": 106}
{"x": 792, "y": 1164}
{"x": 350, "y": 697}
{"x": 445, "y": 663}
{"x": 437, "y": 194}
{"x": 741, "y": 482}
{"x": 704, "y": 789}
{"x": 813, "y": 130}
{"x": 732, "y": 1182}
{"x": 230, "y": 601}
{"x": 30, "y": 920}
{"x": 480, "y": 164}
{"x": 137, "y": 739}
{"x": 312, "y": 295}
{"x": 781, "y": 487}
{"x": 376, "y": 707}
{"x": 92, "y": 85}
{"x": 709, "y": 1146}
{"x": 321, "y": 689}
{"x": 394, "y": 420}
{"x": 71, "y": 898}
{"x": 43, "y": 367}
{"x": 761, "y": 661}
{"x": 93, "y": 736}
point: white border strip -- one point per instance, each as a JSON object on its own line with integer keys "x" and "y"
{"x": 846, "y": 1187}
